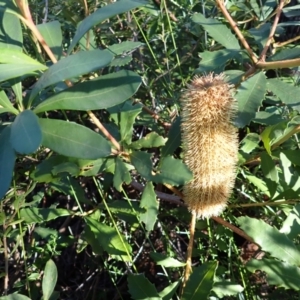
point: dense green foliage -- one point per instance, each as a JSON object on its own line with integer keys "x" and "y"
{"x": 90, "y": 150}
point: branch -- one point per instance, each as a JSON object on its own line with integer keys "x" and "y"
{"x": 272, "y": 32}
{"x": 233, "y": 24}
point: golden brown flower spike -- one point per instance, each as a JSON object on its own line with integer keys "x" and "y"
{"x": 210, "y": 144}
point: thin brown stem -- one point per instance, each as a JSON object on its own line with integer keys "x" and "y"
{"x": 6, "y": 259}
{"x": 103, "y": 130}
{"x": 272, "y": 32}
{"x": 233, "y": 24}
{"x": 234, "y": 229}
{"x": 278, "y": 45}
{"x": 188, "y": 266}
{"x": 264, "y": 204}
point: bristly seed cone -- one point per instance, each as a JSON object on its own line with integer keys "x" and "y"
{"x": 210, "y": 144}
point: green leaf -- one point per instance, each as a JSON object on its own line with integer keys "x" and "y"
{"x": 172, "y": 171}
{"x": 43, "y": 171}
{"x": 112, "y": 241}
{"x": 224, "y": 288}
{"x": 102, "y": 14}
{"x": 260, "y": 184}
{"x": 151, "y": 205}
{"x": 75, "y": 65}
{"x": 15, "y": 57}
{"x": 250, "y": 142}
{"x": 261, "y": 34}
{"x": 26, "y": 135}
{"x": 270, "y": 172}
{"x": 7, "y": 161}
{"x": 278, "y": 273}
{"x": 143, "y": 164}
{"x": 9, "y": 71}
{"x": 124, "y": 47}
{"x": 174, "y": 139}
{"x": 165, "y": 261}
{"x": 66, "y": 167}
{"x": 71, "y": 139}
{"x": 285, "y": 54}
{"x": 10, "y": 32}
{"x": 218, "y": 31}
{"x": 287, "y": 93}
{"x": 49, "y": 279}
{"x": 168, "y": 292}
{"x": 291, "y": 225}
{"x": 270, "y": 116}
{"x": 293, "y": 156}
{"x": 250, "y": 95}
{"x": 4, "y": 101}
{"x": 39, "y": 215}
{"x": 270, "y": 240}
{"x": 15, "y": 297}
{"x": 140, "y": 288}
{"x": 51, "y": 32}
{"x": 200, "y": 282}
{"x": 125, "y": 211}
{"x": 151, "y": 140}
{"x": 216, "y": 60}
{"x": 46, "y": 233}
{"x": 121, "y": 174}
{"x": 98, "y": 93}
{"x": 126, "y": 114}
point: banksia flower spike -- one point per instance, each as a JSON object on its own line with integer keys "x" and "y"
{"x": 210, "y": 144}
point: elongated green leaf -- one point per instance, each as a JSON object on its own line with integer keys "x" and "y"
{"x": 75, "y": 65}
{"x": 287, "y": 93}
{"x": 168, "y": 292}
{"x": 293, "y": 156}
{"x": 141, "y": 288}
{"x": 270, "y": 240}
{"x": 102, "y": 14}
{"x": 270, "y": 172}
{"x": 26, "y": 134}
{"x": 143, "y": 164}
{"x": 150, "y": 203}
{"x": 250, "y": 95}
{"x": 4, "y": 101}
{"x": 10, "y": 31}
{"x": 285, "y": 54}
{"x": 218, "y": 31}
{"x": 165, "y": 261}
{"x": 121, "y": 174}
{"x": 124, "y": 47}
{"x": 39, "y": 215}
{"x": 174, "y": 139}
{"x": 216, "y": 60}
{"x": 250, "y": 142}
{"x": 7, "y": 161}
{"x": 49, "y": 279}
{"x": 14, "y": 56}
{"x": 278, "y": 273}
{"x": 259, "y": 183}
{"x": 291, "y": 225}
{"x": 71, "y": 139}
{"x": 151, "y": 140}
{"x": 200, "y": 282}
{"x": 110, "y": 240}
{"x": 9, "y": 71}
{"x": 102, "y": 92}
{"x": 224, "y": 288}
{"x": 261, "y": 34}
{"x": 52, "y": 34}
{"x": 15, "y": 297}
{"x": 172, "y": 171}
